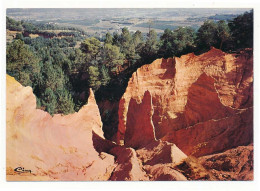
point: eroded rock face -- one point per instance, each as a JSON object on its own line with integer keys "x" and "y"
{"x": 140, "y": 135}
{"x": 53, "y": 148}
{"x": 129, "y": 167}
{"x": 202, "y": 103}
{"x": 160, "y": 152}
{"x": 163, "y": 172}
{"x": 140, "y": 128}
{"x": 149, "y": 151}
{"x": 72, "y": 147}
{"x": 174, "y": 108}
{"x": 233, "y": 164}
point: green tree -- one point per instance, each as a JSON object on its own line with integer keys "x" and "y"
{"x": 166, "y": 44}
{"x": 222, "y": 34}
{"x": 13, "y": 25}
{"x": 132, "y": 54}
{"x": 91, "y": 46}
{"x": 61, "y": 59}
{"x": 56, "y": 86}
{"x": 125, "y": 39}
{"x": 134, "y": 48}
{"x": 183, "y": 40}
{"x": 242, "y": 30}
{"x": 116, "y": 39}
{"x": 94, "y": 81}
{"x": 21, "y": 62}
{"x": 138, "y": 41}
{"x": 206, "y": 36}
{"x": 109, "y": 38}
{"x": 112, "y": 57}
{"x": 137, "y": 38}
{"x": 78, "y": 61}
{"x": 65, "y": 103}
{"x": 24, "y": 78}
{"x": 149, "y": 50}
{"x": 126, "y": 45}
{"x": 49, "y": 100}
{"x": 105, "y": 77}
{"x": 19, "y": 36}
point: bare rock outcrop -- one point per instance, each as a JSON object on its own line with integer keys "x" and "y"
{"x": 172, "y": 109}
{"x": 163, "y": 172}
{"x": 72, "y": 147}
{"x": 155, "y": 156}
{"x": 160, "y": 152}
{"x": 202, "y": 103}
{"x": 129, "y": 167}
{"x": 52, "y": 148}
{"x": 140, "y": 128}
{"x": 233, "y": 164}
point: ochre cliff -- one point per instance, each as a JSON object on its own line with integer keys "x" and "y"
{"x": 53, "y": 148}
{"x": 203, "y": 104}
{"x": 72, "y": 147}
{"x": 173, "y": 111}
{"x": 140, "y": 128}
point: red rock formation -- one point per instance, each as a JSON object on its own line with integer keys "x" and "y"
{"x": 140, "y": 129}
{"x": 72, "y": 147}
{"x": 202, "y": 103}
{"x": 160, "y": 152}
{"x": 215, "y": 135}
{"x": 129, "y": 167}
{"x": 140, "y": 135}
{"x": 163, "y": 172}
{"x": 233, "y": 164}
{"x": 53, "y": 148}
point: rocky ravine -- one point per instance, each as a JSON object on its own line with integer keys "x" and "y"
{"x": 172, "y": 110}
{"x": 203, "y": 104}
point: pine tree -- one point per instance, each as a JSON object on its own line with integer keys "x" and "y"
{"x": 242, "y": 30}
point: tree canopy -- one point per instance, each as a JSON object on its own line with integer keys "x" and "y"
{"x": 91, "y": 46}
{"x": 61, "y": 73}
{"x": 242, "y": 30}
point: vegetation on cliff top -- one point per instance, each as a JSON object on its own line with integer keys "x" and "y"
{"x": 60, "y": 72}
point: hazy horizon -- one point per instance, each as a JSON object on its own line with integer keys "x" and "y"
{"x": 102, "y": 20}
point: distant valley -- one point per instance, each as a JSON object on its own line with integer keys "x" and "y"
{"x": 100, "y": 21}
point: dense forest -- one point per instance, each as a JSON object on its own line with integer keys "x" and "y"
{"x": 60, "y": 72}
